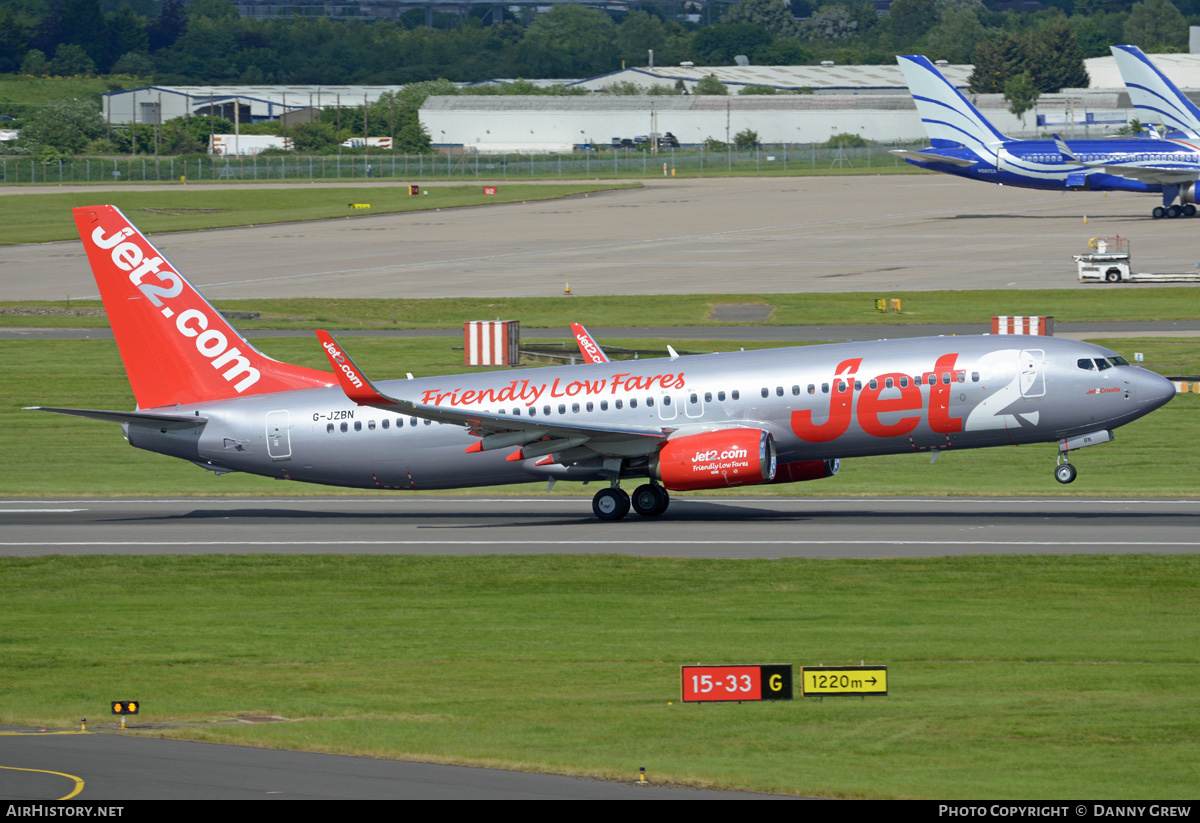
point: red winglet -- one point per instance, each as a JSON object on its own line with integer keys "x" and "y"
{"x": 354, "y": 383}
{"x": 588, "y": 346}
{"x": 545, "y": 461}
{"x": 477, "y": 446}
{"x": 519, "y": 454}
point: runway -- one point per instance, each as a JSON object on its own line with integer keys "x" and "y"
{"x": 727, "y": 235}
{"x": 705, "y": 527}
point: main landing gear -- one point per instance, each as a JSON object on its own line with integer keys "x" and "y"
{"x": 648, "y": 500}
{"x": 1173, "y": 211}
{"x": 1064, "y": 472}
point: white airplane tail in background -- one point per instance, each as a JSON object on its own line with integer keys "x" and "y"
{"x": 948, "y": 117}
{"x": 1155, "y": 97}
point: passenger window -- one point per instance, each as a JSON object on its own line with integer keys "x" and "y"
{"x": 516, "y": 412}
{"x": 962, "y": 376}
{"x": 384, "y": 423}
{"x": 795, "y": 391}
{"x": 546, "y": 410}
{"x": 533, "y": 411}
{"x": 721, "y": 396}
{"x": 591, "y": 406}
{"x": 329, "y": 429}
{"x": 649, "y": 401}
{"x": 603, "y": 405}
{"x": 824, "y": 388}
{"x": 874, "y": 383}
{"x": 345, "y": 427}
{"x": 765, "y": 392}
{"x": 887, "y": 383}
{"x": 974, "y": 377}
{"x": 858, "y": 385}
{"x": 904, "y": 382}
{"x": 736, "y": 395}
{"x": 358, "y": 425}
{"x": 841, "y": 386}
{"x": 371, "y": 425}
{"x": 575, "y": 408}
{"x": 428, "y": 422}
{"x": 945, "y": 378}
{"x": 811, "y": 388}
{"x": 779, "y": 391}
{"x": 562, "y": 408}
{"x": 633, "y": 402}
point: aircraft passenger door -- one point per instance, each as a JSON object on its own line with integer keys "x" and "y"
{"x": 279, "y": 435}
{"x": 1032, "y": 372}
{"x": 693, "y": 402}
{"x": 668, "y": 406}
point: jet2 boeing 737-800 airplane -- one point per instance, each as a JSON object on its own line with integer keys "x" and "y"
{"x": 965, "y": 144}
{"x": 708, "y": 421}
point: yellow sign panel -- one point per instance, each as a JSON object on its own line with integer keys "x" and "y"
{"x": 855, "y": 681}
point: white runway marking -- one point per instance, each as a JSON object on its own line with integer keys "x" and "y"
{"x": 30, "y": 511}
{"x": 271, "y": 543}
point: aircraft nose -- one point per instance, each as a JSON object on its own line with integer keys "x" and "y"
{"x": 1153, "y": 390}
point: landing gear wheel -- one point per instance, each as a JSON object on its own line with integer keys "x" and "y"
{"x": 650, "y": 500}
{"x": 1159, "y": 213}
{"x": 1065, "y": 473}
{"x": 1189, "y": 210}
{"x": 610, "y": 504}
{"x": 1174, "y": 211}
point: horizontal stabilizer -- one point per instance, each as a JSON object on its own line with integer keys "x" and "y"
{"x": 163, "y": 421}
{"x": 927, "y": 157}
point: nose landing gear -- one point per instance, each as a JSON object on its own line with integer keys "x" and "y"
{"x": 1064, "y": 472}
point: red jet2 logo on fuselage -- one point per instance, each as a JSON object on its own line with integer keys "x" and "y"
{"x": 871, "y": 406}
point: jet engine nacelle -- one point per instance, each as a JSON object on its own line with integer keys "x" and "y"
{"x": 806, "y": 470}
{"x": 1187, "y": 194}
{"x": 715, "y": 460}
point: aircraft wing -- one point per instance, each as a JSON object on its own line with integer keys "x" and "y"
{"x": 1163, "y": 175}
{"x": 925, "y": 157}
{"x": 498, "y": 431}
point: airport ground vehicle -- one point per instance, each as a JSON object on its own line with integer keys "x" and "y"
{"x": 683, "y": 423}
{"x": 1108, "y": 261}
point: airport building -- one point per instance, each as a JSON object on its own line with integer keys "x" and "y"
{"x": 869, "y": 101}
{"x": 238, "y": 104}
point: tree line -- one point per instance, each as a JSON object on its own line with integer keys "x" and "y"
{"x": 206, "y": 42}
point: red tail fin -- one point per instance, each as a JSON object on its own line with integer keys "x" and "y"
{"x": 176, "y": 347}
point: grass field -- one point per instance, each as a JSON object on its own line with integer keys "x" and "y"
{"x": 1068, "y": 306}
{"x": 41, "y": 218}
{"x": 53, "y": 455}
{"x": 1014, "y": 677}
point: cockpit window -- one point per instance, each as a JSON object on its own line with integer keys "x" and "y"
{"x": 1102, "y": 364}
{"x": 1119, "y": 361}
{"x": 1086, "y": 363}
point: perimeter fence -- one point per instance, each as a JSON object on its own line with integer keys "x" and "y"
{"x": 607, "y": 163}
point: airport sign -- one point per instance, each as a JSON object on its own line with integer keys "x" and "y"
{"x": 852, "y": 681}
{"x": 724, "y": 684}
